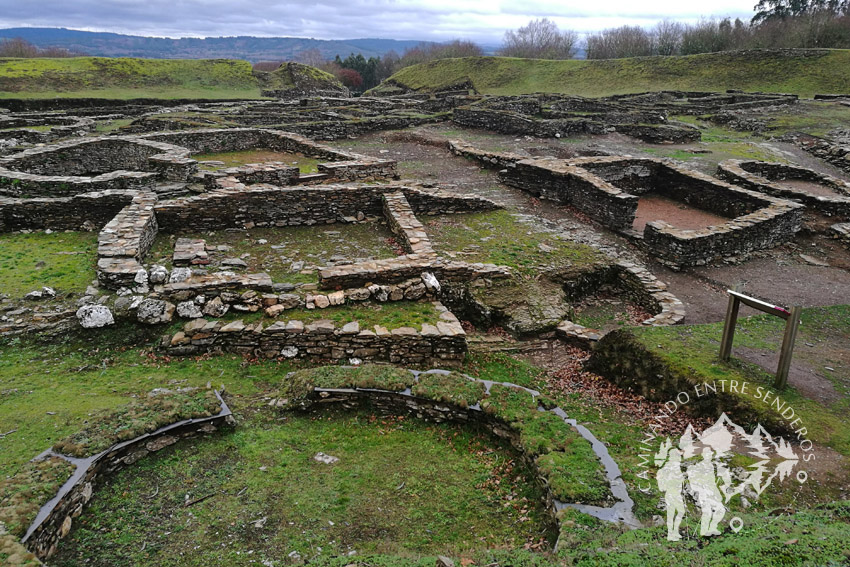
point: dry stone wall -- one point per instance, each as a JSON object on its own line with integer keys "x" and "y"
{"x": 564, "y": 183}
{"x": 638, "y": 284}
{"x": 442, "y": 343}
{"x": 607, "y": 189}
{"x": 124, "y": 241}
{"x": 86, "y": 211}
{"x": 767, "y": 177}
{"x": 235, "y": 205}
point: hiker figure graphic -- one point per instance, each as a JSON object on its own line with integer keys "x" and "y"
{"x": 671, "y": 481}
{"x": 703, "y": 483}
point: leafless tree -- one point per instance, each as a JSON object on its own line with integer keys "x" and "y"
{"x": 540, "y": 39}
{"x": 667, "y": 37}
{"x": 616, "y": 43}
{"x": 312, "y": 57}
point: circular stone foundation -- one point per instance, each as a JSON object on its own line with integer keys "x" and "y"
{"x": 310, "y": 486}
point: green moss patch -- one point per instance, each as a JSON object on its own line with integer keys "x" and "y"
{"x": 23, "y": 495}
{"x": 65, "y": 261}
{"x": 574, "y": 475}
{"x": 383, "y": 377}
{"x": 391, "y": 315}
{"x": 137, "y": 418}
{"x": 450, "y": 388}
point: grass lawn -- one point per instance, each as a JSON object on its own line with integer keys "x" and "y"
{"x": 401, "y": 486}
{"x": 500, "y": 237}
{"x": 392, "y": 315}
{"x": 127, "y": 78}
{"x": 64, "y": 261}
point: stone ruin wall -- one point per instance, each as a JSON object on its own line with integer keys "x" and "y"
{"x": 262, "y": 205}
{"x": 766, "y": 177}
{"x": 607, "y": 189}
{"x": 440, "y": 344}
{"x": 86, "y": 211}
{"x": 78, "y": 166}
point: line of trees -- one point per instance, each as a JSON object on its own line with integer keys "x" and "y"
{"x": 817, "y": 29}
{"x": 17, "y": 47}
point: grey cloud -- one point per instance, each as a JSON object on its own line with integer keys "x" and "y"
{"x": 338, "y": 19}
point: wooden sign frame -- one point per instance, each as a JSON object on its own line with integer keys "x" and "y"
{"x": 792, "y": 322}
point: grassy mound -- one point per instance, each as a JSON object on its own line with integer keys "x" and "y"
{"x": 800, "y": 71}
{"x": 127, "y": 78}
{"x": 297, "y": 78}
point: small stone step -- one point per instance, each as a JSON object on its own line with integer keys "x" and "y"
{"x": 170, "y": 190}
{"x": 190, "y": 251}
{"x": 312, "y": 177}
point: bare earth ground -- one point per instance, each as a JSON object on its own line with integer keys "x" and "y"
{"x": 810, "y": 187}
{"x": 654, "y": 207}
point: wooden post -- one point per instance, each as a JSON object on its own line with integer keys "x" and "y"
{"x": 788, "y": 340}
{"x": 729, "y": 327}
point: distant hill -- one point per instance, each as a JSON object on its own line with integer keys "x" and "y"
{"x": 252, "y": 49}
{"x": 804, "y": 72}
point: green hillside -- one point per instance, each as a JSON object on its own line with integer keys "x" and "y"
{"x": 126, "y": 78}
{"x": 800, "y": 71}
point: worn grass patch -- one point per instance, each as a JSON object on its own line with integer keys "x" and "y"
{"x": 127, "y": 78}
{"x": 811, "y": 117}
{"x": 64, "y": 261}
{"x": 49, "y": 391}
{"x": 802, "y": 72}
{"x": 109, "y": 126}
{"x": 290, "y": 255}
{"x": 500, "y": 237}
{"x": 401, "y": 486}
{"x": 244, "y": 157}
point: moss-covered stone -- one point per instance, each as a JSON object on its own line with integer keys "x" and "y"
{"x": 574, "y": 475}
{"x": 301, "y": 383}
{"x": 23, "y": 495}
{"x": 449, "y": 388}
{"x": 137, "y": 418}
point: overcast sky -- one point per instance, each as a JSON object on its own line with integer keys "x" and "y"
{"x": 437, "y": 20}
